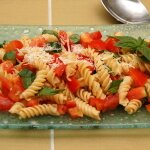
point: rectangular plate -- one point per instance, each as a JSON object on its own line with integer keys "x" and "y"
{"x": 116, "y": 119}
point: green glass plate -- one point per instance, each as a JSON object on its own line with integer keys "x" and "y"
{"x": 115, "y": 119}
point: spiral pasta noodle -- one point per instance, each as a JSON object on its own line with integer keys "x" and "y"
{"x": 147, "y": 87}
{"x": 90, "y": 81}
{"x": 2, "y": 53}
{"x": 102, "y": 72}
{"x": 50, "y": 37}
{"x": 123, "y": 90}
{"x": 58, "y": 98}
{"x": 70, "y": 70}
{"x": 133, "y": 106}
{"x": 16, "y": 108}
{"x": 36, "y": 85}
{"x": 114, "y": 65}
{"x": 84, "y": 95}
{"x": 38, "y": 110}
{"x": 53, "y": 79}
{"x": 87, "y": 109}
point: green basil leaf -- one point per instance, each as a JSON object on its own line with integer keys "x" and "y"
{"x": 9, "y": 56}
{"x": 75, "y": 38}
{"x": 114, "y": 86}
{"x": 2, "y": 44}
{"x": 55, "y": 47}
{"x": 27, "y": 77}
{"x": 27, "y": 81}
{"x": 25, "y": 73}
{"x": 52, "y": 32}
{"x": 48, "y": 91}
{"x": 145, "y": 51}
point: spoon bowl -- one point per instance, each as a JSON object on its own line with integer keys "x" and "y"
{"x": 127, "y": 11}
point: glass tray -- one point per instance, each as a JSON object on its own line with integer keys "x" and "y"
{"x": 116, "y": 119}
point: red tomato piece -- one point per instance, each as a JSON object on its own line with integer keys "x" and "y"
{"x": 88, "y": 59}
{"x": 112, "y": 101}
{"x": 62, "y": 109}
{"x": 63, "y": 35}
{"x": 110, "y": 45}
{"x": 117, "y": 77}
{"x": 19, "y": 56}
{"x": 28, "y": 66}
{"x": 139, "y": 77}
{"x": 13, "y": 45}
{"x": 85, "y": 39}
{"x": 75, "y": 112}
{"x": 8, "y": 66}
{"x": 137, "y": 93}
{"x": 93, "y": 101}
{"x": 38, "y": 41}
{"x": 147, "y": 107}
{"x": 70, "y": 104}
{"x": 14, "y": 93}
{"x": 16, "y": 89}
{"x": 6, "y": 85}
{"x": 98, "y": 45}
{"x": 73, "y": 84}
{"x": 97, "y": 35}
{"x": 60, "y": 69}
{"x": 5, "y": 103}
{"x": 32, "y": 102}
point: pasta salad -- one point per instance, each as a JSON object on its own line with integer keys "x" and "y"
{"x": 58, "y": 73}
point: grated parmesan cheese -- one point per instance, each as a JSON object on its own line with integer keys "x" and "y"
{"x": 38, "y": 53}
{"x": 77, "y": 48}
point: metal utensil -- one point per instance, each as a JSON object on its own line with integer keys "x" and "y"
{"x": 127, "y": 11}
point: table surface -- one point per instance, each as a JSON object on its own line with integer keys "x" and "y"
{"x": 66, "y": 12}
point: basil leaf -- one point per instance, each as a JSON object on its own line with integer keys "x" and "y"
{"x": 55, "y": 47}
{"x": 75, "y": 38}
{"x": 114, "y": 86}
{"x": 2, "y": 44}
{"x": 9, "y": 56}
{"x": 25, "y": 73}
{"x": 27, "y": 77}
{"x": 52, "y": 32}
{"x": 145, "y": 51}
{"x": 48, "y": 91}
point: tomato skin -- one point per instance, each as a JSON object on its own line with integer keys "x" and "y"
{"x": 8, "y": 66}
{"x": 28, "y": 66}
{"x": 137, "y": 93}
{"x": 60, "y": 70}
{"x": 13, "y": 45}
{"x": 112, "y": 101}
{"x": 85, "y": 39}
{"x": 88, "y": 59}
{"x": 62, "y": 109}
{"x": 75, "y": 112}
{"x": 98, "y": 45}
{"x": 70, "y": 104}
{"x": 73, "y": 84}
{"x": 16, "y": 89}
{"x": 5, "y": 85}
{"x": 32, "y": 103}
{"x": 5, "y": 103}
{"x": 138, "y": 76}
{"x": 147, "y": 107}
{"x": 19, "y": 56}
{"x": 38, "y": 41}
{"x": 110, "y": 45}
{"x": 63, "y": 37}
{"x": 97, "y": 35}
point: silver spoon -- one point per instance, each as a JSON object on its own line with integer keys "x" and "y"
{"x": 127, "y": 11}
